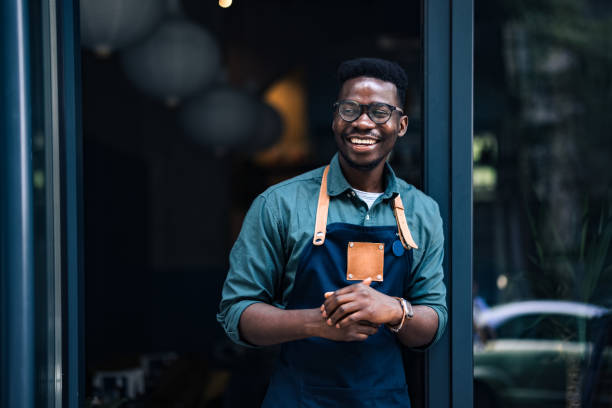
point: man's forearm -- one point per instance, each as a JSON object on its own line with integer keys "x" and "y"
{"x": 262, "y": 324}
{"x": 421, "y": 329}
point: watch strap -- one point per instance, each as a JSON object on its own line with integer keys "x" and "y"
{"x": 407, "y": 314}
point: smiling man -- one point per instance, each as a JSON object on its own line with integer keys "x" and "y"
{"x": 343, "y": 264}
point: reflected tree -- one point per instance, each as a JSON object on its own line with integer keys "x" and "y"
{"x": 558, "y": 60}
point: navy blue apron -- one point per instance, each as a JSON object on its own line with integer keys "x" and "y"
{"x": 317, "y": 372}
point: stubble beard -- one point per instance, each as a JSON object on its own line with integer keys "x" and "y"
{"x": 361, "y": 167}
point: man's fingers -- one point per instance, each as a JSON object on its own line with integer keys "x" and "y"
{"x": 351, "y": 288}
{"x": 360, "y": 337}
{"x": 351, "y": 318}
{"x": 338, "y": 297}
{"x": 333, "y": 302}
{"x": 341, "y": 311}
{"x": 323, "y": 312}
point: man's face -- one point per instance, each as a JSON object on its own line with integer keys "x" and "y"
{"x": 354, "y": 139}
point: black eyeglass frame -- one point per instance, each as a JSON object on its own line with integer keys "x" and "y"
{"x": 367, "y": 108}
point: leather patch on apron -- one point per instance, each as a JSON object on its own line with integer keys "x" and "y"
{"x": 365, "y": 260}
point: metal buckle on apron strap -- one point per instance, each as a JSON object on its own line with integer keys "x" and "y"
{"x": 402, "y": 225}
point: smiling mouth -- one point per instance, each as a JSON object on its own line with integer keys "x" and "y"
{"x": 362, "y": 141}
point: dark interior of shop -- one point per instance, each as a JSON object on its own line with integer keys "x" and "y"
{"x": 163, "y": 204}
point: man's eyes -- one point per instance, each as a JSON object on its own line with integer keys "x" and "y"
{"x": 376, "y": 111}
{"x": 380, "y": 112}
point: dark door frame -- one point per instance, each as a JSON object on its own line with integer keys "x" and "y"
{"x": 448, "y": 28}
{"x": 72, "y": 188}
{"x": 16, "y": 211}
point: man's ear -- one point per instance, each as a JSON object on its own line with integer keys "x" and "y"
{"x": 403, "y": 126}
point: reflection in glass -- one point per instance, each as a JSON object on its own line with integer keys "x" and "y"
{"x": 543, "y": 203}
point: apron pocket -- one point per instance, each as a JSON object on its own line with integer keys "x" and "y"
{"x": 365, "y": 260}
{"x": 323, "y": 397}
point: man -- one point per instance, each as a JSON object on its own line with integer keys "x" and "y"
{"x": 326, "y": 262}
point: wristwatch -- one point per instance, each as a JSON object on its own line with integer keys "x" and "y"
{"x": 408, "y": 314}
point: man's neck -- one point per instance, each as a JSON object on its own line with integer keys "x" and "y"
{"x": 370, "y": 180}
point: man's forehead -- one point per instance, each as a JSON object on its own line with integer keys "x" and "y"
{"x": 369, "y": 85}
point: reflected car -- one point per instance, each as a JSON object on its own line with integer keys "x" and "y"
{"x": 543, "y": 353}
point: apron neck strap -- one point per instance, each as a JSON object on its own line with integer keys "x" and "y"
{"x": 323, "y": 208}
{"x": 402, "y": 225}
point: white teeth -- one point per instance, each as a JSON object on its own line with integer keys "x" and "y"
{"x": 356, "y": 140}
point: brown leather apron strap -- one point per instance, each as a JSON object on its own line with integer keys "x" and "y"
{"x": 322, "y": 208}
{"x": 402, "y": 225}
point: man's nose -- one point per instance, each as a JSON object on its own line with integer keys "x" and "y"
{"x": 364, "y": 121}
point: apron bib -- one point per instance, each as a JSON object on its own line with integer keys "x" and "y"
{"x": 316, "y": 372}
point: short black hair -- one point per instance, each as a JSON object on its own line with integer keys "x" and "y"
{"x": 375, "y": 68}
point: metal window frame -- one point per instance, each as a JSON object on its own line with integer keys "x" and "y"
{"x": 71, "y": 141}
{"x": 18, "y": 380}
{"x": 448, "y": 28}
{"x": 16, "y": 211}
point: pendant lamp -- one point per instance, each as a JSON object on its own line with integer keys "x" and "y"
{"x": 226, "y": 118}
{"x": 108, "y": 25}
{"x": 179, "y": 59}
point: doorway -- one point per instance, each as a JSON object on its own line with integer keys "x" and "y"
{"x": 165, "y": 190}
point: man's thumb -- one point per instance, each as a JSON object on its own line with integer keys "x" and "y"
{"x": 367, "y": 281}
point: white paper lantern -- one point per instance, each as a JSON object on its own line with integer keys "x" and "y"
{"x": 108, "y": 25}
{"x": 229, "y": 119}
{"x": 179, "y": 59}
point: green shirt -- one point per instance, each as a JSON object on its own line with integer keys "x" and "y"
{"x": 280, "y": 224}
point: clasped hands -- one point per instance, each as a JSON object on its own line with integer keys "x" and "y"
{"x": 355, "y": 312}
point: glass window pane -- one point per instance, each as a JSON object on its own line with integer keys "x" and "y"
{"x": 542, "y": 203}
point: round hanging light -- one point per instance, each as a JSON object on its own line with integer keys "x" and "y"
{"x": 225, "y": 118}
{"x": 179, "y": 59}
{"x": 108, "y": 25}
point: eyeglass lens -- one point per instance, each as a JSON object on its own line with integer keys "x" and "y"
{"x": 377, "y": 112}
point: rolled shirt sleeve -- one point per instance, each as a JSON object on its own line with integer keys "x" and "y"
{"x": 256, "y": 264}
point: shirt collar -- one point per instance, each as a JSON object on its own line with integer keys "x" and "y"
{"x": 337, "y": 184}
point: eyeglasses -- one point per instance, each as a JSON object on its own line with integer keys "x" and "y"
{"x": 378, "y": 112}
